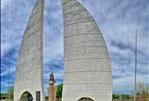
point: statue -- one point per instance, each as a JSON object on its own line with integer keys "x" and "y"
{"x": 51, "y": 88}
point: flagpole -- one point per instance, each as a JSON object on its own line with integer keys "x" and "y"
{"x": 135, "y": 88}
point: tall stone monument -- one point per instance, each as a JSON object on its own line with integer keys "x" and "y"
{"x": 87, "y": 68}
{"x": 29, "y": 67}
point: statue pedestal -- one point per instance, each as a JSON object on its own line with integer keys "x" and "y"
{"x": 52, "y": 93}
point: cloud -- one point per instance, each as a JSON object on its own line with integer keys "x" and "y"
{"x": 19, "y": 11}
{"x": 4, "y": 3}
{"x": 118, "y": 21}
{"x": 53, "y": 30}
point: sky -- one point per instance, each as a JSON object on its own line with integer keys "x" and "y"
{"x": 118, "y": 21}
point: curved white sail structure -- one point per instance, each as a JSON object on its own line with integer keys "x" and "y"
{"x": 87, "y": 68}
{"x": 29, "y": 67}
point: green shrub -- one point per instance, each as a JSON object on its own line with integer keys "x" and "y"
{"x": 59, "y": 91}
{"x": 115, "y": 96}
{"x": 125, "y": 96}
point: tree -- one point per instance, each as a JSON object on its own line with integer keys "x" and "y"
{"x": 115, "y": 96}
{"x": 10, "y": 91}
{"x": 59, "y": 91}
{"x": 140, "y": 87}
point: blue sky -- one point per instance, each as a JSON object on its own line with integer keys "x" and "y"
{"x": 117, "y": 19}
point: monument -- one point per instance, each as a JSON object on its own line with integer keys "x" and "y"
{"x": 29, "y": 67}
{"x": 87, "y": 68}
{"x": 51, "y": 88}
